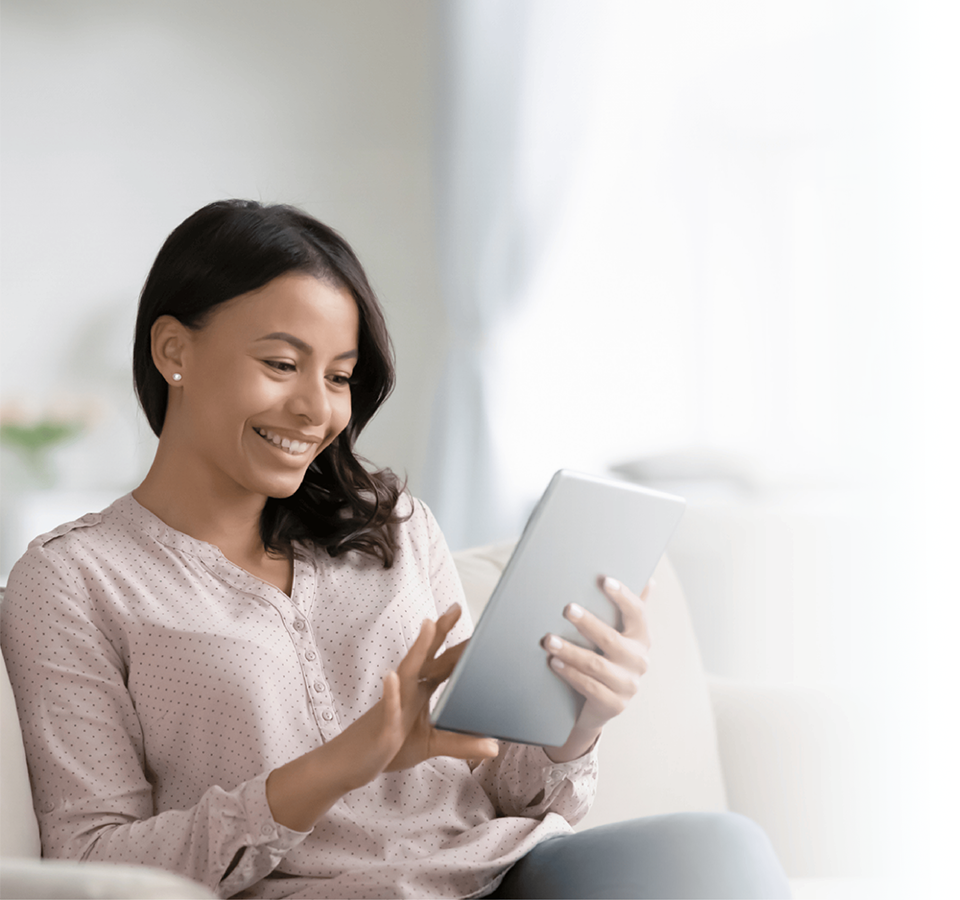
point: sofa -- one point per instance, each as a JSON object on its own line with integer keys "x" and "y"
{"x": 781, "y": 755}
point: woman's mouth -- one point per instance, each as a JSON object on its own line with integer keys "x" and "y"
{"x": 294, "y": 448}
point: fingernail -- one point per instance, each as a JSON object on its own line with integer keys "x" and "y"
{"x": 611, "y": 584}
{"x": 554, "y": 643}
{"x": 452, "y": 607}
{"x": 574, "y": 611}
{"x": 557, "y": 663}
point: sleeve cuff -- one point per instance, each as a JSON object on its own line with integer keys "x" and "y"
{"x": 555, "y": 773}
{"x": 264, "y": 842}
{"x": 264, "y": 830}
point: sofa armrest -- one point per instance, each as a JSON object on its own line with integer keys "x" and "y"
{"x": 795, "y": 760}
{"x": 53, "y": 878}
{"x": 19, "y": 833}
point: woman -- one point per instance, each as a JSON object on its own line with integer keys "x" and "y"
{"x": 227, "y": 672}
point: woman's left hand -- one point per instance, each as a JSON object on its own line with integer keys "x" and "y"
{"x": 607, "y": 677}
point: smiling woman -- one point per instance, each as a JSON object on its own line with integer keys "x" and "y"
{"x": 228, "y": 672}
{"x": 275, "y": 299}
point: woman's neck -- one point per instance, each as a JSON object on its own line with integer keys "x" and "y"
{"x": 187, "y": 499}
{"x": 230, "y": 524}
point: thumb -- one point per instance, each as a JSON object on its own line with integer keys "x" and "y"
{"x": 392, "y": 710}
{"x": 462, "y": 746}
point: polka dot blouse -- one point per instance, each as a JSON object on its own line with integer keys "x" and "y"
{"x": 158, "y": 684}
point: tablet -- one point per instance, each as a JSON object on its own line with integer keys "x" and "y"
{"x": 583, "y": 527}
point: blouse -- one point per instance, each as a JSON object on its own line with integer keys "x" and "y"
{"x": 158, "y": 684}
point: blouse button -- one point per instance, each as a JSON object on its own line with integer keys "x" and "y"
{"x": 327, "y": 715}
{"x": 266, "y": 830}
{"x": 300, "y": 625}
{"x": 319, "y": 687}
{"x": 311, "y": 655}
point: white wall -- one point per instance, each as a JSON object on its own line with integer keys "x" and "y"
{"x": 121, "y": 118}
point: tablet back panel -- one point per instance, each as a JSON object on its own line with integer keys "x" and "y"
{"x": 582, "y": 528}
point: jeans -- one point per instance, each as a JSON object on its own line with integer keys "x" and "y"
{"x": 683, "y": 855}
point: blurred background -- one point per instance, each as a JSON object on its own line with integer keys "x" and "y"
{"x": 706, "y": 246}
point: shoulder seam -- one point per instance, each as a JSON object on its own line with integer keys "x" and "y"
{"x": 87, "y": 521}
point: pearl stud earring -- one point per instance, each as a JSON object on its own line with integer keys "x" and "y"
{"x": 177, "y": 376}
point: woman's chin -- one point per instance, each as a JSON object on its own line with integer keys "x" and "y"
{"x": 279, "y": 488}
{"x": 282, "y": 495}
{"x": 285, "y": 489}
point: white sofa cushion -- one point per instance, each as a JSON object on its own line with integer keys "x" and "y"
{"x": 661, "y": 755}
{"x": 55, "y": 879}
{"x": 19, "y": 834}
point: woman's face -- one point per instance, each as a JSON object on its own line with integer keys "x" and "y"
{"x": 265, "y": 384}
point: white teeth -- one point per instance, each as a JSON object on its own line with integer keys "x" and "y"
{"x": 292, "y": 447}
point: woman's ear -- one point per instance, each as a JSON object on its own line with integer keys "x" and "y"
{"x": 168, "y": 341}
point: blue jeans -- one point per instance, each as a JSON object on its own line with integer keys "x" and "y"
{"x": 684, "y": 855}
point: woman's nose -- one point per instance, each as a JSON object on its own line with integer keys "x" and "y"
{"x": 312, "y": 400}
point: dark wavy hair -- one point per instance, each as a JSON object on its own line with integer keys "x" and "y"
{"x": 229, "y": 248}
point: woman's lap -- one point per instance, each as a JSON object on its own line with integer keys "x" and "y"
{"x": 684, "y": 855}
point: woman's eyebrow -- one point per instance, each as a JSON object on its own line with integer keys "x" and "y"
{"x": 302, "y": 346}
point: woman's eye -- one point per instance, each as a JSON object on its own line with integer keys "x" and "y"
{"x": 341, "y": 380}
{"x": 280, "y": 366}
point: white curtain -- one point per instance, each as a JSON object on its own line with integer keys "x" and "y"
{"x": 721, "y": 279}
{"x": 658, "y": 232}
{"x": 510, "y": 118}
{"x": 753, "y": 254}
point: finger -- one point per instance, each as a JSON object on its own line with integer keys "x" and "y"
{"x": 462, "y": 746}
{"x": 632, "y": 608}
{"x": 434, "y": 672}
{"x": 444, "y": 625}
{"x": 393, "y": 729}
{"x": 391, "y": 701}
{"x": 602, "y": 704}
{"x": 611, "y": 643}
{"x": 620, "y": 676}
{"x": 411, "y": 664}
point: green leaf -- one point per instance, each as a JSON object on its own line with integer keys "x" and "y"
{"x": 39, "y": 436}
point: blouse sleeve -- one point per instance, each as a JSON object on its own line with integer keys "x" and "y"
{"x": 85, "y": 749}
{"x": 522, "y": 780}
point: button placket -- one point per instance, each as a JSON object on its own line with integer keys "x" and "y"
{"x": 319, "y": 695}
{"x": 303, "y": 600}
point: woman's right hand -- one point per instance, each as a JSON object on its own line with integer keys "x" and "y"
{"x": 418, "y": 677}
{"x": 396, "y": 732}
{"x": 393, "y": 734}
